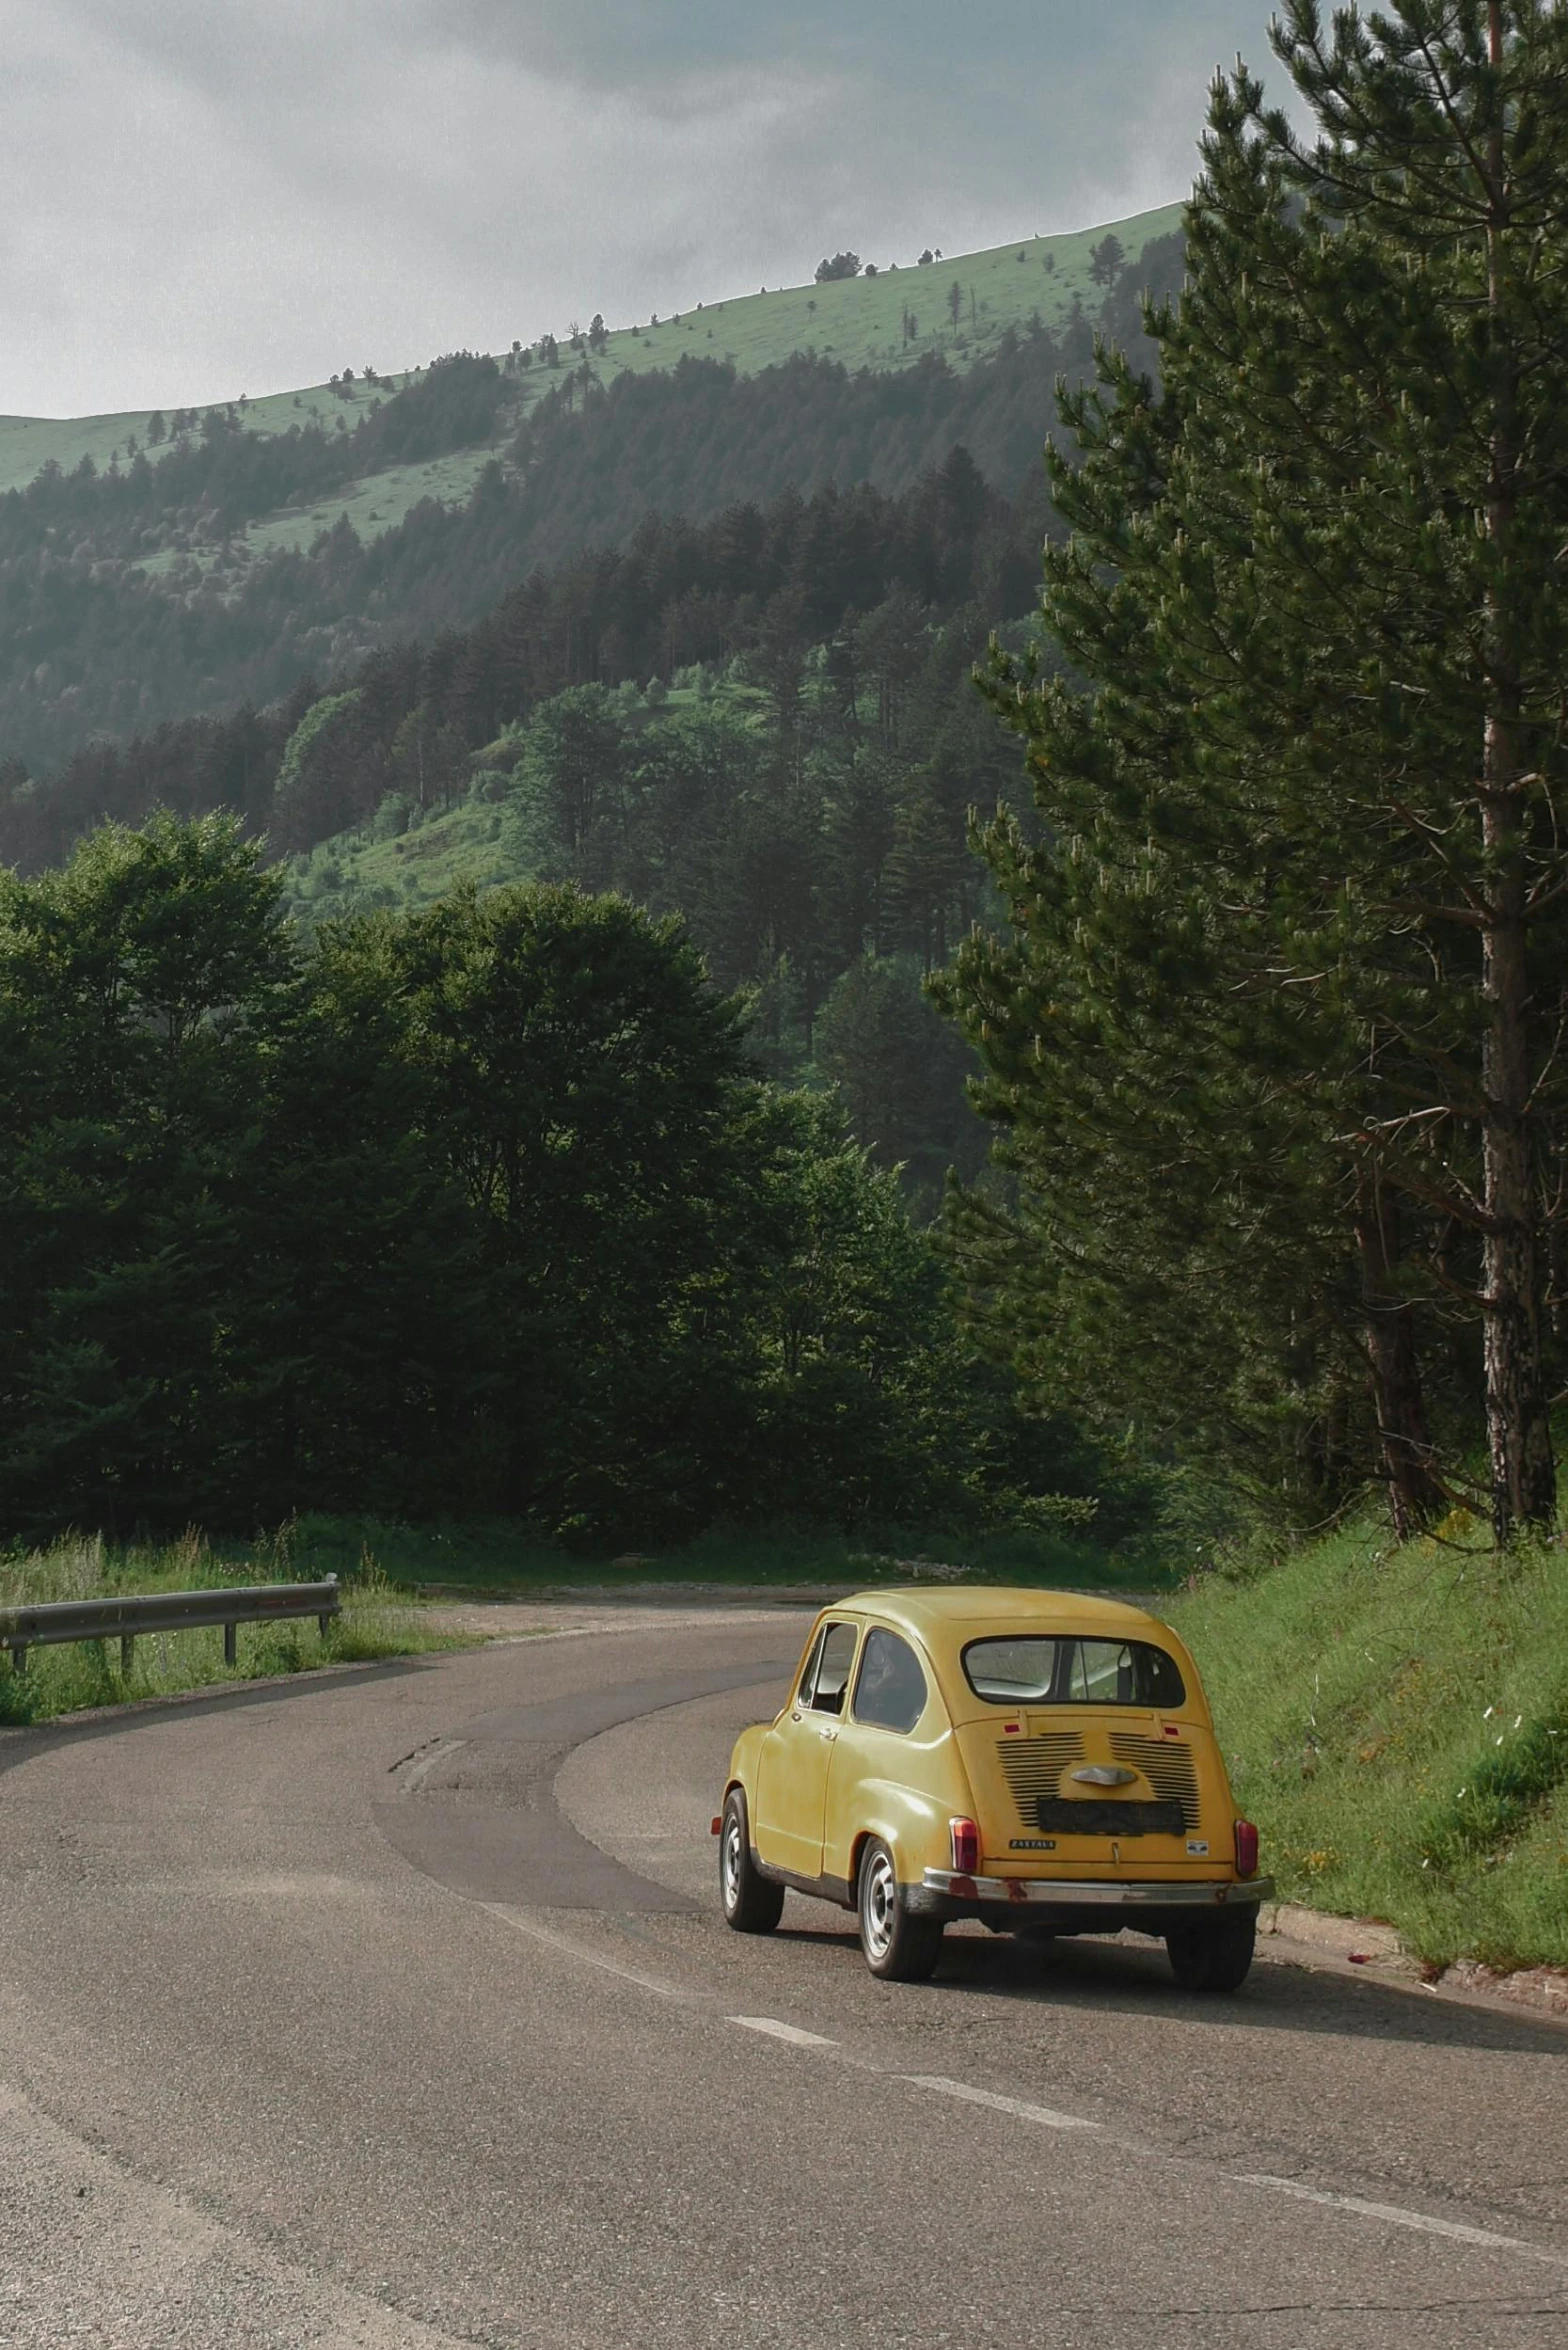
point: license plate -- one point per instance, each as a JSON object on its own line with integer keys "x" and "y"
{"x": 1084, "y": 1816}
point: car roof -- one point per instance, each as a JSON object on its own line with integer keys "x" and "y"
{"x": 977, "y": 1608}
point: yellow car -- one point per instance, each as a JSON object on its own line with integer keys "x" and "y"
{"x": 1042, "y": 1762}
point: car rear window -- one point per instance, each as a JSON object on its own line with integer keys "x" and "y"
{"x": 1041, "y": 1669}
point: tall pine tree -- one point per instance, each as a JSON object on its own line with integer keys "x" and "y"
{"x": 1306, "y": 888}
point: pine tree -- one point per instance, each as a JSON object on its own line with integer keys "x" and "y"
{"x": 1311, "y": 816}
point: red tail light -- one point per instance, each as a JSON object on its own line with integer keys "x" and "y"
{"x": 966, "y": 1846}
{"x": 1246, "y": 1849}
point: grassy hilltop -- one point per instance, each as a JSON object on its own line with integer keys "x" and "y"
{"x": 856, "y": 321}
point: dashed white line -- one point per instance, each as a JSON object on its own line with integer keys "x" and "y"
{"x": 774, "y": 2030}
{"x": 1396, "y": 2216}
{"x": 1045, "y": 2115}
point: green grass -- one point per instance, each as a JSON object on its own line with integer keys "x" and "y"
{"x": 354, "y": 869}
{"x": 498, "y": 1556}
{"x": 470, "y": 841}
{"x": 855, "y": 321}
{"x": 378, "y": 1620}
{"x": 1396, "y": 1720}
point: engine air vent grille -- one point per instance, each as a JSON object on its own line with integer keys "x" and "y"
{"x": 1033, "y": 1767}
{"x": 1166, "y": 1765}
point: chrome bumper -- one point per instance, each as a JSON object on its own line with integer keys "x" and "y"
{"x": 1061, "y": 1893}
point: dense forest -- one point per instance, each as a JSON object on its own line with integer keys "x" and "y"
{"x": 801, "y": 798}
{"x": 483, "y": 1209}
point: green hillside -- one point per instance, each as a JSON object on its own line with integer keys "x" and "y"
{"x": 859, "y": 322}
{"x": 1396, "y": 1721}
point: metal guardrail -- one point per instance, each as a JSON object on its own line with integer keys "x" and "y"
{"x": 22, "y": 1628}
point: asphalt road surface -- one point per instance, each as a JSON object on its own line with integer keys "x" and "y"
{"x": 392, "y": 2010}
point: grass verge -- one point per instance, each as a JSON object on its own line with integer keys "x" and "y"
{"x": 500, "y": 1556}
{"x": 1395, "y": 1719}
{"x": 378, "y": 1620}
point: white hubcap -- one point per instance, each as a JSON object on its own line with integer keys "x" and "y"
{"x": 878, "y": 1904}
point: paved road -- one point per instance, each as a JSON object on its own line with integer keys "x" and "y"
{"x": 390, "y": 2011}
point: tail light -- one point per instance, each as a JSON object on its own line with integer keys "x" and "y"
{"x": 966, "y": 1846}
{"x": 1246, "y": 1849}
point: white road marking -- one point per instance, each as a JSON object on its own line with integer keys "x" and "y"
{"x": 570, "y": 1949}
{"x": 1398, "y": 2217}
{"x": 1044, "y": 2114}
{"x": 777, "y": 2031}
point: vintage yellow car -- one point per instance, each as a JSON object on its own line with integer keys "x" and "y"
{"x": 1040, "y": 1761}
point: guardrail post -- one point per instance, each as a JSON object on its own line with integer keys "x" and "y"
{"x": 230, "y": 1643}
{"x": 323, "y": 1623}
{"x": 18, "y": 1660}
{"x": 127, "y": 1651}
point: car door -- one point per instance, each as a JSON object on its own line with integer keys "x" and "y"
{"x": 891, "y": 1729}
{"x": 792, "y": 1769}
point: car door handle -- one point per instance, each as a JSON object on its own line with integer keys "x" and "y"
{"x": 827, "y": 1735}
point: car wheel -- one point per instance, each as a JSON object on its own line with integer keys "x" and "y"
{"x": 898, "y": 1947}
{"x": 1216, "y": 1955}
{"x": 753, "y": 1903}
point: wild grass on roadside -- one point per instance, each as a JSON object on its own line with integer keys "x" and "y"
{"x": 499, "y": 1555}
{"x": 1396, "y": 1720}
{"x": 378, "y": 1620}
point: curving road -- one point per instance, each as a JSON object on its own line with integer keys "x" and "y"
{"x": 391, "y": 2009}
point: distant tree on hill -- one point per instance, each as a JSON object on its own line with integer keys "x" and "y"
{"x": 841, "y": 265}
{"x": 925, "y": 259}
{"x": 156, "y": 428}
{"x": 1107, "y": 260}
{"x": 1050, "y": 265}
{"x": 549, "y": 350}
{"x": 598, "y": 332}
{"x": 955, "y": 303}
{"x": 871, "y": 269}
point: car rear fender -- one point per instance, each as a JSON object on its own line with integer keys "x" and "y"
{"x": 912, "y": 1824}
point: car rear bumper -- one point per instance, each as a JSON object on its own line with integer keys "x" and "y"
{"x": 1081, "y": 1906}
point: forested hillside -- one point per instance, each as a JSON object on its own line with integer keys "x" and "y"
{"x": 168, "y": 585}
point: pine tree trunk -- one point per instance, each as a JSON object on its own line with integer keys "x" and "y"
{"x": 1415, "y": 1497}
{"x": 1524, "y": 1484}
{"x": 1519, "y": 1435}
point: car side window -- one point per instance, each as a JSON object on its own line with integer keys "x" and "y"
{"x": 890, "y": 1689}
{"x": 808, "y": 1678}
{"x": 833, "y": 1663}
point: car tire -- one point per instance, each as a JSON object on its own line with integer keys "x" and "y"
{"x": 753, "y": 1903}
{"x": 1216, "y": 1955}
{"x": 899, "y": 1948}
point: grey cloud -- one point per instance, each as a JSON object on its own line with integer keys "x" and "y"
{"x": 197, "y": 199}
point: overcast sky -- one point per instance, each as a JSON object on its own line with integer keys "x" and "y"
{"x": 204, "y": 197}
